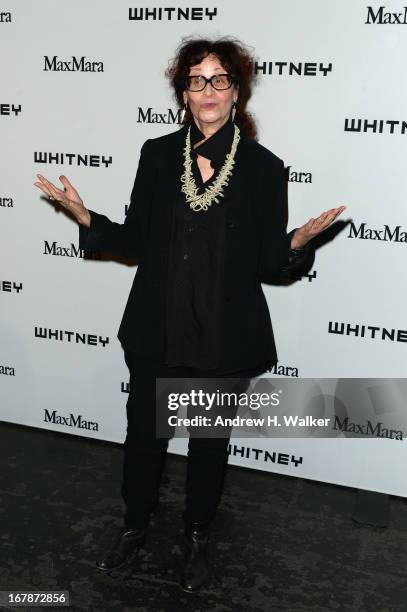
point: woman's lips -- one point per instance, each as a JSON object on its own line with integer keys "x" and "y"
{"x": 208, "y": 105}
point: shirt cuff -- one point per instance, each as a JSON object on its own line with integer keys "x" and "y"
{"x": 297, "y": 257}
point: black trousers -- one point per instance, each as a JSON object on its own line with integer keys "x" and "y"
{"x": 144, "y": 453}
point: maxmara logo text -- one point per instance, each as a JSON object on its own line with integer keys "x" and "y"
{"x": 371, "y": 332}
{"x": 277, "y": 370}
{"x": 10, "y": 109}
{"x": 381, "y": 16}
{"x": 61, "y": 335}
{"x": 70, "y": 420}
{"x": 384, "y": 234}
{"x": 284, "y": 370}
{"x": 377, "y": 126}
{"x": 7, "y": 370}
{"x": 72, "y": 65}
{"x": 72, "y": 159}
{"x": 160, "y": 13}
{"x": 53, "y": 248}
{"x": 366, "y": 429}
{"x": 5, "y": 17}
{"x": 6, "y": 203}
{"x": 292, "y": 68}
{"x": 147, "y": 115}
{"x": 295, "y": 176}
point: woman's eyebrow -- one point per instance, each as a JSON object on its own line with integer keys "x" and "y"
{"x": 215, "y": 70}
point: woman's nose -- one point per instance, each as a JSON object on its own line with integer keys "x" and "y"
{"x": 208, "y": 91}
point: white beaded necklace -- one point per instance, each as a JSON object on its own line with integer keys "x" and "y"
{"x": 214, "y": 191}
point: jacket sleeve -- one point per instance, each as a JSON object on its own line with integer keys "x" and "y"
{"x": 277, "y": 259}
{"x": 124, "y": 239}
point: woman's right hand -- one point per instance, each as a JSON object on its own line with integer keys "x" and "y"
{"x": 69, "y": 198}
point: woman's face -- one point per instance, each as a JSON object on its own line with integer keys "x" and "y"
{"x": 210, "y": 107}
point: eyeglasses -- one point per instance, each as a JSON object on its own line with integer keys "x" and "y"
{"x": 218, "y": 81}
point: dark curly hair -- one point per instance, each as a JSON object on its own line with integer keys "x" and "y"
{"x": 234, "y": 57}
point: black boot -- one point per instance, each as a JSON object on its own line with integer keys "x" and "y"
{"x": 195, "y": 571}
{"x": 128, "y": 541}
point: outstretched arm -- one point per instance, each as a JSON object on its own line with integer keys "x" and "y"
{"x": 313, "y": 227}
{"x": 97, "y": 232}
{"x": 282, "y": 254}
{"x": 69, "y": 198}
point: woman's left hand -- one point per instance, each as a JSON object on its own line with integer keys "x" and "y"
{"x": 309, "y": 230}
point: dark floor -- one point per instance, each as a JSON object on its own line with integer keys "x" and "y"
{"x": 278, "y": 543}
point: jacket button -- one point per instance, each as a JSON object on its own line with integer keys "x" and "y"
{"x": 231, "y": 225}
{"x": 185, "y": 256}
{"x": 190, "y": 229}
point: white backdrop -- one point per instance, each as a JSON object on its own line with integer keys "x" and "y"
{"x": 351, "y": 61}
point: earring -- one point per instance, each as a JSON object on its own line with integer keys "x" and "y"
{"x": 233, "y": 111}
{"x": 182, "y": 116}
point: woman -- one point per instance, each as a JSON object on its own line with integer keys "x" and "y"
{"x": 206, "y": 222}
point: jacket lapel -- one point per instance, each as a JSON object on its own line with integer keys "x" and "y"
{"x": 169, "y": 169}
{"x": 238, "y": 182}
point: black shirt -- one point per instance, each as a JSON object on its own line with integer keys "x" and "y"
{"x": 195, "y": 267}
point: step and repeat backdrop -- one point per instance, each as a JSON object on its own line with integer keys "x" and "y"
{"x": 83, "y": 86}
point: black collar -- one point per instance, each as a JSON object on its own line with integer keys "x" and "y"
{"x": 216, "y": 146}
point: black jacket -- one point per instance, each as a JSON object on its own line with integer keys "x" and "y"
{"x": 256, "y": 249}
